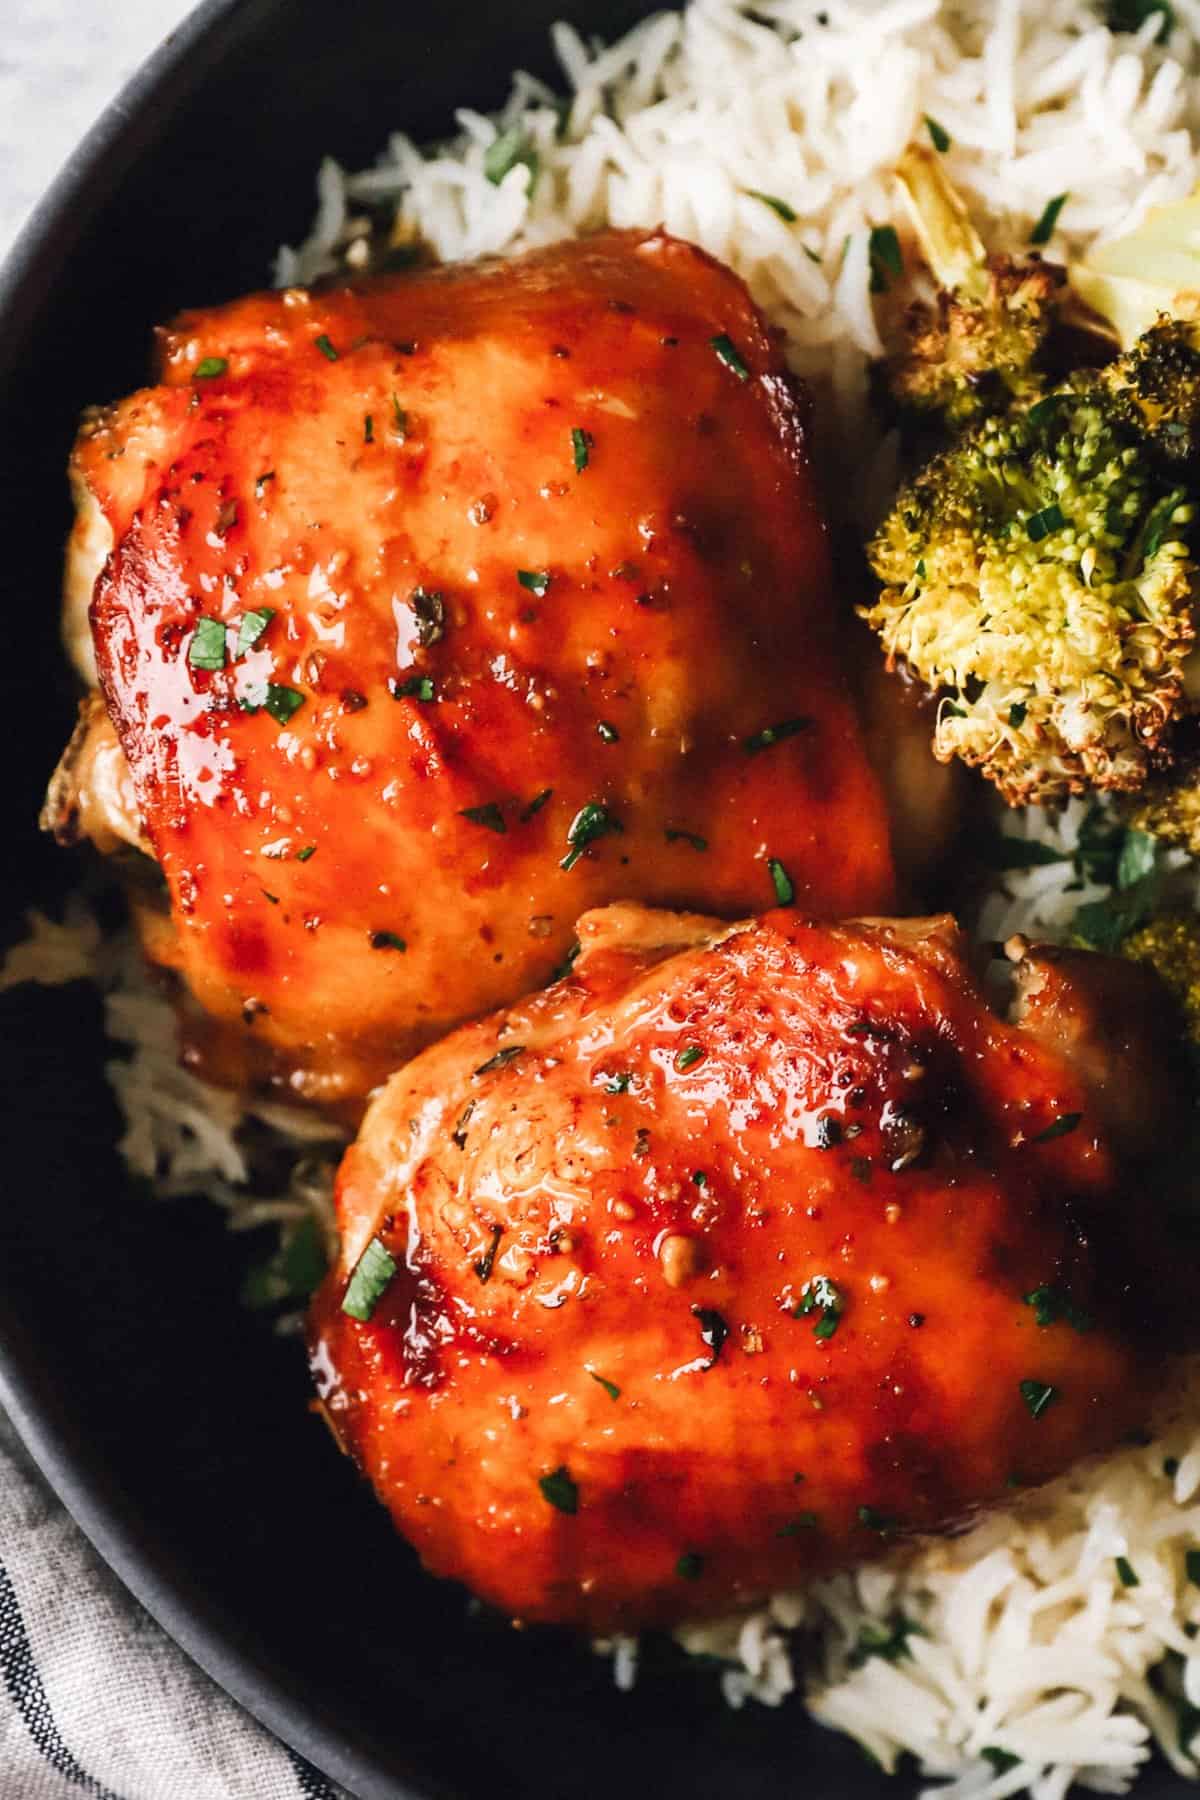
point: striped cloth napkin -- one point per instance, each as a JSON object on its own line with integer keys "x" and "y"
{"x": 94, "y": 1698}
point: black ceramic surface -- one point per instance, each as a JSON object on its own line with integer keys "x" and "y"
{"x": 170, "y": 1421}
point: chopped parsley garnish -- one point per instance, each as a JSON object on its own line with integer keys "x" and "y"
{"x": 610, "y": 1387}
{"x": 372, "y": 1273}
{"x": 785, "y": 892}
{"x": 688, "y": 1056}
{"x": 1043, "y": 231}
{"x": 1016, "y": 717}
{"x": 282, "y": 702}
{"x": 1126, "y": 1573}
{"x": 873, "y": 1520}
{"x": 674, "y": 835}
{"x": 1021, "y": 853}
{"x": 387, "y": 940}
{"x": 619, "y": 1083}
{"x": 535, "y": 805}
{"x": 209, "y": 367}
{"x": 1039, "y": 525}
{"x": 700, "y": 1178}
{"x": 368, "y": 429}
{"x": 459, "y": 1135}
{"x": 488, "y": 815}
{"x": 417, "y": 687}
{"x": 568, "y": 962}
{"x": 207, "y": 648}
{"x": 888, "y": 1642}
{"x": 820, "y": 1295}
{"x": 292, "y": 1272}
{"x": 713, "y": 1331}
{"x": 805, "y": 1521}
{"x": 728, "y": 354}
{"x": 536, "y": 580}
{"x": 1001, "y": 1760}
{"x": 308, "y": 850}
{"x": 774, "y": 734}
{"x": 1058, "y": 1128}
{"x": 510, "y": 150}
{"x": 559, "y": 1490}
{"x": 787, "y": 213}
{"x": 1137, "y": 859}
{"x": 690, "y": 1566}
{"x": 501, "y": 1059}
{"x": 939, "y": 137}
{"x": 886, "y": 259}
{"x": 1131, "y": 15}
{"x": 1050, "y": 1304}
{"x": 1191, "y": 1563}
{"x": 399, "y": 417}
{"x": 581, "y": 445}
{"x": 828, "y": 1132}
{"x": 260, "y": 481}
{"x": 251, "y": 626}
{"x": 484, "y": 1263}
{"x": 1038, "y": 1395}
{"x": 326, "y": 348}
{"x": 608, "y": 734}
{"x": 591, "y": 822}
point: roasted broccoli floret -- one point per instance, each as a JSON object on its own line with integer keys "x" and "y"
{"x": 980, "y": 345}
{"x": 1170, "y": 943}
{"x": 1038, "y": 574}
{"x": 1157, "y": 383}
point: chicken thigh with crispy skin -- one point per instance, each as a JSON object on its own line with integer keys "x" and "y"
{"x": 740, "y": 1250}
{"x": 432, "y": 611}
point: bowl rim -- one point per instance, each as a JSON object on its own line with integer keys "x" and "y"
{"x": 146, "y": 1569}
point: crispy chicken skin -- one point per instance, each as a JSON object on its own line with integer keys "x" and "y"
{"x": 542, "y": 559}
{"x": 730, "y": 1255}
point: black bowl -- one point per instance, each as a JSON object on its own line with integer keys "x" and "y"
{"x": 171, "y": 1423}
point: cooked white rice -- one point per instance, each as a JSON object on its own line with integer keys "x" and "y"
{"x": 1018, "y": 1656}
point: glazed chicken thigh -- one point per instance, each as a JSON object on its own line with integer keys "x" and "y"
{"x": 431, "y": 611}
{"x": 741, "y": 1250}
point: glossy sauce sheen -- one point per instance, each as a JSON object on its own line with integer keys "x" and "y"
{"x": 364, "y": 447}
{"x": 604, "y": 1240}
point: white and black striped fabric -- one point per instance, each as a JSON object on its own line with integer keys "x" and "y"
{"x": 95, "y": 1700}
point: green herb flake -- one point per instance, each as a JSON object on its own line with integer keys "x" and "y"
{"x": 888, "y": 1642}
{"x": 1039, "y": 525}
{"x": 1137, "y": 860}
{"x": 1043, "y": 231}
{"x": 610, "y": 1387}
{"x": 687, "y": 1057}
{"x": 674, "y": 835}
{"x": 209, "y": 367}
{"x": 787, "y": 213}
{"x": 251, "y": 626}
{"x": 488, "y": 815}
{"x": 781, "y": 881}
{"x": 608, "y": 734}
{"x": 1020, "y": 853}
{"x": 1066, "y": 1122}
{"x": 559, "y": 1491}
{"x": 418, "y": 687}
{"x": 1001, "y": 1760}
{"x": 1126, "y": 1573}
{"x": 699, "y": 1178}
{"x": 825, "y": 1298}
{"x": 873, "y": 1520}
{"x": 282, "y": 702}
{"x": 1131, "y": 15}
{"x": 581, "y": 447}
{"x": 886, "y": 259}
{"x": 1191, "y": 1563}
{"x": 619, "y": 1083}
{"x": 368, "y": 429}
{"x": 485, "y": 1263}
{"x": 207, "y": 648}
{"x": 774, "y": 734}
{"x": 399, "y": 417}
{"x": 387, "y": 940}
{"x": 939, "y": 137}
{"x": 591, "y": 822}
{"x": 805, "y": 1521}
{"x": 1018, "y": 712}
{"x": 326, "y": 348}
{"x": 512, "y": 149}
{"x": 713, "y": 1331}
{"x": 1038, "y": 1395}
{"x": 1051, "y": 1304}
{"x": 501, "y": 1059}
{"x": 568, "y": 962}
{"x": 728, "y": 354}
{"x": 1170, "y": 1470}
{"x": 308, "y": 850}
{"x": 536, "y": 580}
{"x": 373, "y": 1271}
{"x": 690, "y": 1566}
{"x": 290, "y": 1274}
{"x": 535, "y": 805}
